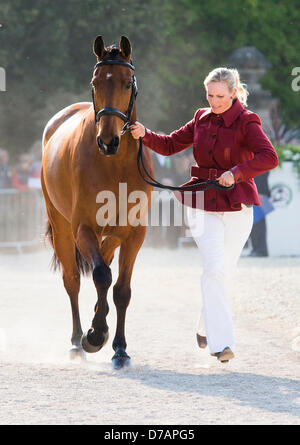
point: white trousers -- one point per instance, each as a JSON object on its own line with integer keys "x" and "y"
{"x": 220, "y": 237}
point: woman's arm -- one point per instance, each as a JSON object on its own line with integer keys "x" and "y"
{"x": 265, "y": 157}
{"x": 175, "y": 142}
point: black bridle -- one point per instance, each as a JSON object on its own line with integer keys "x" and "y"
{"x": 209, "y": 183}
{"x": 114, "y": 111}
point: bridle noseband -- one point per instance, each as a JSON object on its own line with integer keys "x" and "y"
{"x": 114, "y": 111}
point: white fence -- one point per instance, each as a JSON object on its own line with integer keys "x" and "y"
{"x": 22, "y": 218}
{"x": 283, "y": 224}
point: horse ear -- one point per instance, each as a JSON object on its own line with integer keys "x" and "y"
{"x": 125, "y": 47}
{"x": 98, "y": 47}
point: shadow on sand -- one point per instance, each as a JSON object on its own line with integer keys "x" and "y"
{"x": 273, "y": 394}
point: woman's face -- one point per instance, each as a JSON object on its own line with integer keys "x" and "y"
{"x": 219, "y": 97}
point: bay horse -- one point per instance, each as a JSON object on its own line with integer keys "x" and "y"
{"x": 87, "y": 149}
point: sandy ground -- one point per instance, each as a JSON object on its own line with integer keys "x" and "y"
{"x": 171, "y": 381}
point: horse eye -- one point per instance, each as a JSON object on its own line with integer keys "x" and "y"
{"x": 128, "y": 85}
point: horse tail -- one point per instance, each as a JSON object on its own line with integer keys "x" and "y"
{"x": 55, "y": 263}
{"x": 83, "y": 266}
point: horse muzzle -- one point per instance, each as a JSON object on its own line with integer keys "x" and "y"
{"x": 109, "y": 149}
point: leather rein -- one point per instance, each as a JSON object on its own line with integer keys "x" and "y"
{"x": 209, "y": 183}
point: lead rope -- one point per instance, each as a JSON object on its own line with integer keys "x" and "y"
{"x": 210, "y": 183}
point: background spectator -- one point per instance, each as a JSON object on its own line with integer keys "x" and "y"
{"x": 5, "y": 180}
{"x": 171, "y": 171}
{"x": 36, "y": 151}
{"x": 22, "y": 173}
{"x": 258, "y": 234}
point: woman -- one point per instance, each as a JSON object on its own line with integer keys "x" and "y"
{"x": 230, "y": 146}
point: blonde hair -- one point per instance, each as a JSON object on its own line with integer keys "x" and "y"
{"x": 232, "y": 78}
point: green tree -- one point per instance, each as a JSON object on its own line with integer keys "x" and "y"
{"x": 46, "y": 50}
{"x": 202, "y": 35}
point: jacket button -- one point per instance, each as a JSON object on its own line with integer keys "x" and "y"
{"x": 210, "y": 152}
{"x": 213, "y": 200}
{"x": 219, "y": 121}
{"x": 214, "y": 135}
{"x": 214, "y": 166}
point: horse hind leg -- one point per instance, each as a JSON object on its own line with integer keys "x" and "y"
{"x": 87, "y": 242}
{"x": 65, "y": 258}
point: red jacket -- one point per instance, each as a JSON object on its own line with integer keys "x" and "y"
{"x": 233, "y": 140}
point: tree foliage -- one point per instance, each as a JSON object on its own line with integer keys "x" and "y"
{"x": 202, "y": 35}
{"x": 46, "y": 50}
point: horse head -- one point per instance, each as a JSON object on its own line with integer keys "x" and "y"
{"x": 114, "y": 92}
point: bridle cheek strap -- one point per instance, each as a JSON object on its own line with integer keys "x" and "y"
{"x": 114, "y": 111}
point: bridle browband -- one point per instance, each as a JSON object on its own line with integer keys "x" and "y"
{"x": 210, "y": 183}
{"x": 114, "y": 111}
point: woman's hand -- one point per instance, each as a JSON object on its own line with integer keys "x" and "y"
{"x": 226, "y": 179}
{"x": 137, "y": 130}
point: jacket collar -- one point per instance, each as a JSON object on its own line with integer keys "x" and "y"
{"x": 229, "y": 116}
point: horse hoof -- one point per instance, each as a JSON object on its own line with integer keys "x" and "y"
{"x": 87, "y": 346}
{"x": 77, "y": 354}
{"x": 120, "y": 360}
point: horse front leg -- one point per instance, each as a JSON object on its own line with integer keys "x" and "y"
{"x": 122, "y": 294}
{"x": 60, "y": 234}
{"x": 96, "y": 337}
